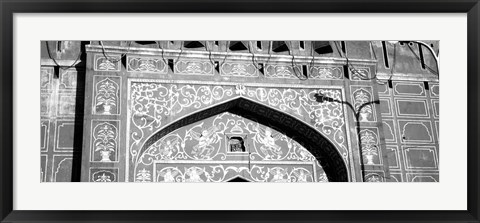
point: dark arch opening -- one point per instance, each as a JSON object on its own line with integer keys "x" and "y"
{"x": 238, "y": 179}
{"x": 320, "y": 147}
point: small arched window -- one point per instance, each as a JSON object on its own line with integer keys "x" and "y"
{"x": 236, "y": 144}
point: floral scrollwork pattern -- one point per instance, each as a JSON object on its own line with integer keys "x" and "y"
{"x": 362, "y": 102}
{"x": 107, "y": 64}
{"x": 105, "y": 142}
{"x": 282, "y": 71}
{"x": 369, "y": 145}
{"x": 147, "y": 64}
{"x": 106, "y": 98}
{"x": 239, "y": 69}
{"x": 155, "y": 105}
{"x": 104, "y": 176}
{"x": 222, "y": 173}
{"x": 193, "y": 67}
{"x": 208, "y": 141}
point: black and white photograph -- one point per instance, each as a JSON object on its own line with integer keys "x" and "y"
{"x": 264, "y": 111}
{"x": 239, "y": 111}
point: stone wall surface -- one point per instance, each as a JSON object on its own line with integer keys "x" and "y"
{"x": 146, "y": 110}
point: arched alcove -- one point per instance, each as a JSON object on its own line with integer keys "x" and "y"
{"x": 319, "y": 146}
{"x": 238, "y": 179}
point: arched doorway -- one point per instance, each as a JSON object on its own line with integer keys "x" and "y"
{"x": 319, "y": 146}
{"x": 238, "y": 179}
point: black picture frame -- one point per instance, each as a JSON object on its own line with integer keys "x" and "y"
{"x": 9, "y": 7}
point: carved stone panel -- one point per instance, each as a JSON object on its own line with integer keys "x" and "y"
{"x": 194, "y": 67}
{"x": 155, "y": 105}
{"x": 420, "y": 157}
{"x": 389, "y": 130}
{"x": 102, "y": 63}
{"x": 374, "y": 177}
{"x": 326, "y": 72}
{"x": 412, "y": 108}
{"x": 106, "y": 95}
{"x": 422, "y": 177}
{"x": 434, "y": 90}
{"x": 68, "y": 79}
{"x": 160, "y": 104}
{"x": 225, "y": 171}
{"x": 238, "y": 69}
{"x": 45, "y": 104}
{"x": 409, "y": 89}
{"x": 62, "y": 168}
{"x": 104, "y": 141}
{"x": 66, "y": 104}
{"x": 369, "y": 144}
{"x": 393, "y": 157}
{"x": 155, "y": 65}
{"x": 46, "y": 75}
{"x": 395, "y": 176}
{"x": 44, "y": 133}
{"x": 383, "y": 89}
{"x": 415, "y": 131}
{"x": 358, "y": 73}
{"x": 65, "y": 135}
{"x": 386, "y": 107}
{"x": 363, "y": 103}
{"x": 283, "y": 71}
{"x": 103, "y": 175}
{"x": 43, "y": 168}
{"x": 436, "y": 108}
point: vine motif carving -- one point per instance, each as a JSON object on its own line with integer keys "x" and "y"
{"x": 362, "y": 98}
{"x": 238, "y": 69}
{"x": 151, "y": 102}
{"x": 369, "y": 143}
{"x": 282, "y": 71}
{"x": 193, "y": 67}
{"x": 373, "y": 178}
{"x": 104, "y": 176}
{"x": 106, "y": 98}
{"x": 146, "y": 64}
{"x": 264, "y": 144}
{"x": 222, "y": 173}
{"x": 144, "y": 176}
{"x": 104, "y": 64}
{"x": 104, "y": 141}
{"x": 320, "y": 72}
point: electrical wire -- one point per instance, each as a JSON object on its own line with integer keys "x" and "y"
{"x": 253, "y": 55}
{"x": 394, "y": 62}
{"x": 56, "y": 62}
{"x": 226, "y": 53}
{"x": 111, "y": 59}
{"x": 209, "y": 54}
{"x": 312, "y": 52}
{"x": 269, "y": 52}
{"x": 393, "y": 65}
{"x": 181, "y": 51}
{"x": 419, "y": 59}
{"x": 294, "y": 65}
{"x": 351, "y": 67}
{"x": 163, "y": 53}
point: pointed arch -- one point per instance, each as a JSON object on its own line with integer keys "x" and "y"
{"x": 318, "y": 145}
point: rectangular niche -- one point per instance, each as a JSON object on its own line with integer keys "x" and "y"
{"x": 236, "y": 144}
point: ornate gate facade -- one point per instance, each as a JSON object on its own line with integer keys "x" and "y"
{"x": 161, "y": 112}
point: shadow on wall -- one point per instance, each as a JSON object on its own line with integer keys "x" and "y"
{"x": 79, "y": 116}
{"x": 322, "y": 98}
